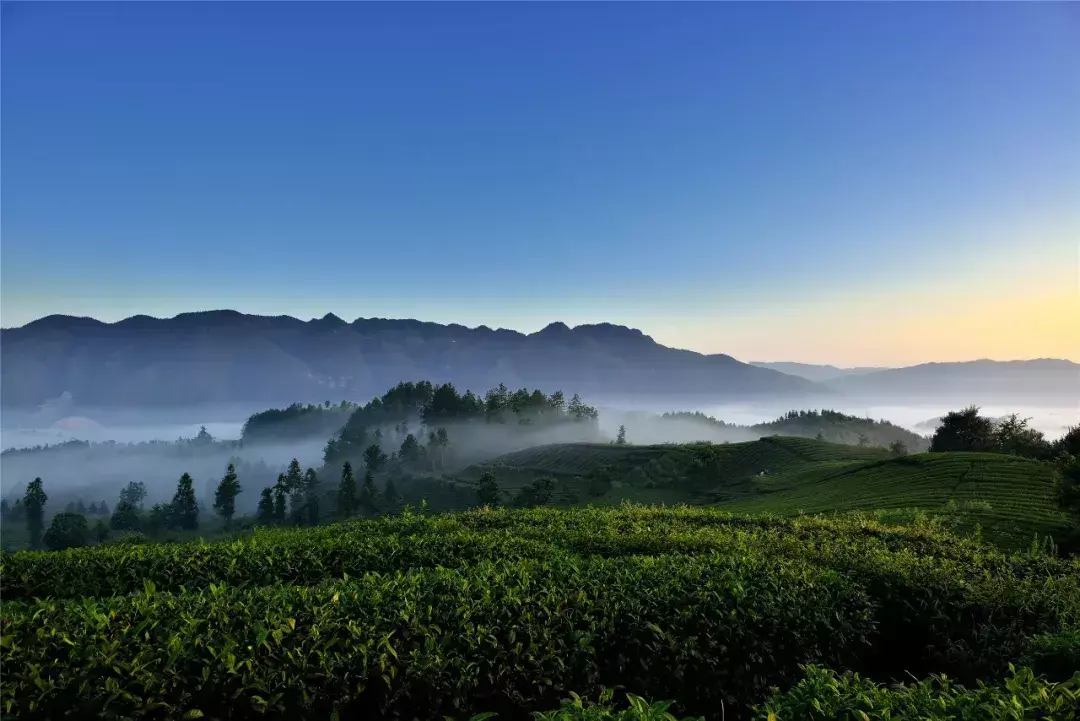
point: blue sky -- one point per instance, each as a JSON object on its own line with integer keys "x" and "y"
{"x": 772, "y": 181}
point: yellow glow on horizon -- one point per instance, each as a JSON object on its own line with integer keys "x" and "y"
{"x": 896, "y": 330}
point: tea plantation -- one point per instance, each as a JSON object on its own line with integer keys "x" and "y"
{"x": 512, "y": 612}
{"x": 1008, "y": 500}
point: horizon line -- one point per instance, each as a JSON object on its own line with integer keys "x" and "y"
{"x": 483, "y": 327}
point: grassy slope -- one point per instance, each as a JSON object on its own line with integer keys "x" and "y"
{"x": 1010, "y": 498}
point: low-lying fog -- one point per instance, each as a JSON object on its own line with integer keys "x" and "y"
{"x": 96, "y": 476}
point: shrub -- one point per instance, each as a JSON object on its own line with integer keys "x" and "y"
{"x": 67, "y": 530}
{"x": 824, "y": 694}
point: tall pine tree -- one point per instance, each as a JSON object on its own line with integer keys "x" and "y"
{"x": 369, "y": 495}
{"x": 225, "y": 496}
{"x": 294, "y": 479}
{"x": 34, "y": 507}
{"x": 185, "y": 508}
{"x": 281, "y": 493}
{"x": 311, "y": 500}
{"x": 347, "y": 491}
{"x": 265, "y": 511}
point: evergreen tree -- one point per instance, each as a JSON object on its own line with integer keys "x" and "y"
{"x": 5, "y": 510}
{"x": 80, "y": 507}
{"x": 103, "y": 508}
{"x": 374, "y": 458}
{"x": 265, "y": 511}
{"x": 347, "y": 491}
{"x": 311, "y": 501}
{"x": 820, "y": 436}
{"x": 67, "y": 530}
{"x": 281, "y": 492}
{"x": 185, "y": 509}
{"x": 162, "y": 516}
{"x": 410, "y": 450}
{"x": 132, "y": 495}
{"x": 294, "y": 478}
{"x": 620, "y": 439}
{"x": 863, "y": 441}
{"x": 225, "y": 496}
{"x": 34, "y": 505}
{"x": 487, "y": 490}
{"x": 70, "y": 507}
{"x": 93, "y": 509}
{"x": 369, "y": 495}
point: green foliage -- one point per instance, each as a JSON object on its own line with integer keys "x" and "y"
{"x": 311, "y": 498}
{"x": 620, "y": 437}
{"x": 898, "y": 449}
{"x": 101, "y": 531}
{"x": 347, "y": 496}
{"x": 1055, "y": 655}
{"x": 577, "y": 708}
{"x": 125, "y": 517}
{"x": 296, "y": 421}
{"x": 281, "y": 495}
{"x": 133, "y": 495}
{"x": 824, "y": 425}
{"x": 510, "y": 611}
{"x": 369, "y": 494}
{"x": 374, "y": 458}
{"x": 67, "y": 530}
{"x": 824, "y": 694}
{"x": 265, "y": 511}
{"x": 280, "y": 642}
{"x": 537, "y": 493}
{"x": 226, "y": 493}
{"x": 966, "y": 430}
{"x": 438, "y": 405}
{"x": 487, "y": 490}
{"x": 33, "y": 503}
{"x": 185, "y": 509}
{"x": 409, "y": 452}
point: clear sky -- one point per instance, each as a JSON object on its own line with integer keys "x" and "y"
{"x": 874, "y": 183}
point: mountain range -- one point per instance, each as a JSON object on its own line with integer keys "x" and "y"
{"x": 230, "y": 357}
{"x": 814, "y": 372}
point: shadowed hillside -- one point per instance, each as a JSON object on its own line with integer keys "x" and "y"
{"x": 226, "y": 356}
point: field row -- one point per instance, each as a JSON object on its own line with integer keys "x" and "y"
{"x": 703, "y": 629}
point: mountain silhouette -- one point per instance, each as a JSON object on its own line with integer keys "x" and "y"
{"x": 226, "y": 356}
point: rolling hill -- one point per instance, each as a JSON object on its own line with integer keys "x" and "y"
{"x": 226, "y": 356}
{"x": 1010, "y": 498}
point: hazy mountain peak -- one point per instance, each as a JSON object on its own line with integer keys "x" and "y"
{"x": 553, "y": 329}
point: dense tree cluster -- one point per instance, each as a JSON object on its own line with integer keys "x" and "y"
{"x": 825, "y": 425}
{"x": 298, "y": 420}
{"x": 966, "y": 430}
{"x": 436, "y": 407}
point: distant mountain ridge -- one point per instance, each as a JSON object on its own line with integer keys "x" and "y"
{"x": 1042, "y": 380}
{"x": 227, "y": 356}
{"x": 815, "y": 372}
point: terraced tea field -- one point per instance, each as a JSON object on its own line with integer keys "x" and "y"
{"x": 1010, "y": 499}
{"x": 452, "y": 615}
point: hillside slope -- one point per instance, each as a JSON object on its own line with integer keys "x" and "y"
{"x": 225, "y": 356}
{"x": 1010, "y": 498}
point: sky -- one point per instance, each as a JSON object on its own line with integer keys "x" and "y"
{"x": 847, "y": 183}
